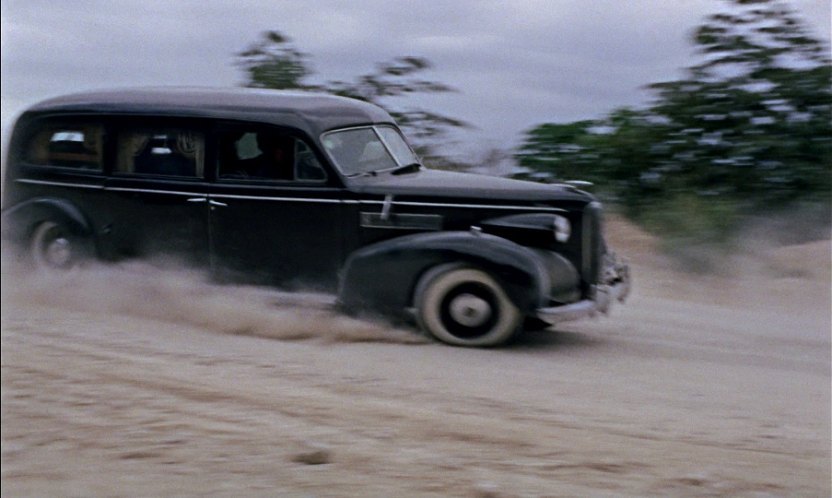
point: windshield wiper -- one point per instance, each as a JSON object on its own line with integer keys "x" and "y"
{"x": 408, "y": 168}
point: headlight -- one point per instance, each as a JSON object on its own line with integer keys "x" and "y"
{"x": 563, "y": 229}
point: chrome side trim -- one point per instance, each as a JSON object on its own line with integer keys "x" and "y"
{"x": 281, "y": 199}
{"x": 153, "y": 191}
{"x": 301, "y": 199}
{"x": 58, "y": 184}
{"x": 471, "y": 206}
{"x": 402, "y": 221}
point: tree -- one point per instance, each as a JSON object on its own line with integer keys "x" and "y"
{"x": 755, "y": 113}
{"x": 272, "y": 62}
{"x": 748, "y": 130}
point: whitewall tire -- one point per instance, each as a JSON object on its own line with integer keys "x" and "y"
{"x": 465, "y": 307}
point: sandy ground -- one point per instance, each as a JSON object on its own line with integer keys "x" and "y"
{"x": 140, "y": 381}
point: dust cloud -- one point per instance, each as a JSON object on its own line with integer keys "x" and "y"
{"x": 164, "y": 291}
{"x": 702, "y": 384}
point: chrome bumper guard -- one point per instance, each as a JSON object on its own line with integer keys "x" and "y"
{"x": 615, "y": 286}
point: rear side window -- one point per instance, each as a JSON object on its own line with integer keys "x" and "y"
{"x": 167, "y": 152}
{"x": 77, "y": 146}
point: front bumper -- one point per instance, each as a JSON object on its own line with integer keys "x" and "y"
{"x": 615, "y": 286}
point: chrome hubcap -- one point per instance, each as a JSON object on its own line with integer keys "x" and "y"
{"x": 58, "y": 252}
{"x": 470, "y": 310}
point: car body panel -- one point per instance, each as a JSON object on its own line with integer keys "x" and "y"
{"x": 371, "y": 235}
{"x": 284, "y": 235}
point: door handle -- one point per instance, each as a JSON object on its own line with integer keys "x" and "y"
{"x": 209, "y": 201}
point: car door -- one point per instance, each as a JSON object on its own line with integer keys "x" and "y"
{"x": 275, "y": 211}
{"x": 158, "y": 192}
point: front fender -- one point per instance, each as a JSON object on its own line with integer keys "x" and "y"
{"x": 384, "y": 275}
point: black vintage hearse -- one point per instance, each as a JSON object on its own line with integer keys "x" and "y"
{"x": 297, "y": 189}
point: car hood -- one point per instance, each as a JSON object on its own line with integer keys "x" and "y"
{"x": 437, "y": 183}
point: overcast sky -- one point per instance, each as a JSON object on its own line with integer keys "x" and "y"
{"x": 516, "y": 63}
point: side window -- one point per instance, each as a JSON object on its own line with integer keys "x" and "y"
{"x": 307, "y": 166}
{"x": 267, "y": 155}
{"x": 77, "y": 146}
{"x": 168, "y": 152}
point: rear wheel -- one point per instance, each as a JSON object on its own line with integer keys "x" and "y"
{"x": 465, "y": 307}
{"x": 54, "y": 247}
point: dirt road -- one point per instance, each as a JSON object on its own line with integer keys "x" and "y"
{"x": 143, "y": 382}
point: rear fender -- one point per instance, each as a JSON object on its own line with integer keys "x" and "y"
{"x": 384, "y": 276}
{"x": 20, "y": 220}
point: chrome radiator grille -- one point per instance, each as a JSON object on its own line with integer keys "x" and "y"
{"x": 592, "y": 243}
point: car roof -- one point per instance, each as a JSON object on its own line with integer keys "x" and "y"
{"x": 314, "y": 113}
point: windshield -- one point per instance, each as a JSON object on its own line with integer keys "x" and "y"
{"x": 363, "y": 150}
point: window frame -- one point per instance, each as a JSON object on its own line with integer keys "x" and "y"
{"x": 58, "y": 123}
{"x": 125, "y": 124}
{"x": 226, "y": 127}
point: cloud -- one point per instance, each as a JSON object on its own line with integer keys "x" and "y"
{"x": 516, "y": 64}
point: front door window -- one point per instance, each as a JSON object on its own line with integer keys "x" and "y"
{"x": 267, "y": 155}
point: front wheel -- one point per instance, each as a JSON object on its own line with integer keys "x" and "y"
{"x": 54, "y": 247}
{"x": 465, "y": 307}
